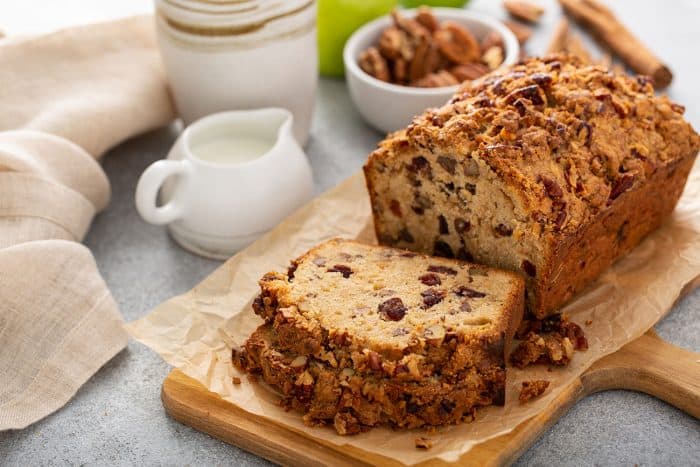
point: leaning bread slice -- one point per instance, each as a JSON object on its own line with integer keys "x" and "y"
{"x": 392, "y": 312}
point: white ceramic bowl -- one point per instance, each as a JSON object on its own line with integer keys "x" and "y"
{"x": 389, "y": 107}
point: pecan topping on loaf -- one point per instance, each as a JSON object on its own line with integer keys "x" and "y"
{"x": 552, "y": 168}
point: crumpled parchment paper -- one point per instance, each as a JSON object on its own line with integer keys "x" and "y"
{"x": 195, "y": 331}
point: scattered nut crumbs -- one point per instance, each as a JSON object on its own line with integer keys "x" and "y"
{"x": 589, "y": 322}
{"x": 236, "y": 380}
{"x": 552, "y": 340}
{"x": 423, "y": 443}
{"x": 532, "y": 389}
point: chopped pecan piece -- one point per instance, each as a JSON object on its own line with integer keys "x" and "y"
{"x": 532, "y": 389}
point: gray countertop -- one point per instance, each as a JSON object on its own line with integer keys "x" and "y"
{"x": 117, "y": 417}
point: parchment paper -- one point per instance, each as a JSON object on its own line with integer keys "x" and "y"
{"x": 195, "y": 331}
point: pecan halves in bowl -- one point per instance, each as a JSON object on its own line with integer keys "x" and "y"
{"x": 469, "y": 71}
{"x": 395, "y": 44}
{"x": 427, "y": 19}
{"x": 426, "y": 60}
{"x": 372, "y": 63}
{"x": 457, "y": 44}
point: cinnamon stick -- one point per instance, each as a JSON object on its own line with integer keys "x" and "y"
{"x": 524, "y": 10}
{"x": 558, "y": 41}
{"x": 603, "y": 24}
{"x": 522, "y": 32}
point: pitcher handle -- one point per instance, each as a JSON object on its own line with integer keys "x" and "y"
{"x": 147, "y": 192}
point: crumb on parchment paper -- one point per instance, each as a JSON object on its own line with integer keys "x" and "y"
{"x": 423, "y": 442}
{"x": 532, "y": 389}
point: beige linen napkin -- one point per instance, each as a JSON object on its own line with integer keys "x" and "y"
{"x": 65, "y": 98}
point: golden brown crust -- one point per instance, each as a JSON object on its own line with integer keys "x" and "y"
{"x": 572, "y": 149}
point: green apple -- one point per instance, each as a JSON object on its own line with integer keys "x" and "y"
{"x": 448, "y": 3}
{"x": 337, "y": 20}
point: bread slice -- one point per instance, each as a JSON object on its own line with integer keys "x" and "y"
{"x": 414, "y": 331}
{"x": 552, "y": 168}
{"x": 354, "y": 299}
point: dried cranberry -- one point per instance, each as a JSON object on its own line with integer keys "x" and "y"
{"x": 446, "y": 407}
{"x": 551, "y": 187}
{"x": 442, "y": 249}
{"x": 529, "y": 268}
{"x": 432, "y": 297}
{"x": 551, "y": 323}
{"x": 447, "y": 163}
{"x": 406, "y": 236}
{"x": 442, "y": 222}
{"x": 258, "y": 304}
{"x": 392, "y": 309}
{"x": 375, "y": 361}
{"x": 483, "y": 101}
{"x": 461, "y": 225}
{"x": 341, "y": 268}
{"x": 395, "y": 207}
{"x": 464, "y": 291}
{"x": 442, "y": 269}
{"x": 541, "y": 79}
{"x": 419, "y": 164}
{"x": 503, "y": 230}
{"x": 412, "y": 407}
{"x": 430, "y": 279}
{"x": 291, "y": 270}
{"x": 621, "y": 185}
{"x": 532, "y": 93}
{"x": 464, "y": 255}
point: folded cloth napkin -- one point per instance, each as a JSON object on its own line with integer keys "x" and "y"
{"x": 65, "y": 98}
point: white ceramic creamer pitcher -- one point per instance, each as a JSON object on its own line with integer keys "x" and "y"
{"x": 229, "y": 178}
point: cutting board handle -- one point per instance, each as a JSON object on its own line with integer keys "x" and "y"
{"x": 653, "y": 366}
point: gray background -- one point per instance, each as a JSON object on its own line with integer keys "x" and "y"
{"x": 117, "y": 417}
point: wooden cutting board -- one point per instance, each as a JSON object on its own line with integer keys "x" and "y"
{"x": 647, "y": 364}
